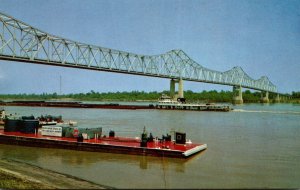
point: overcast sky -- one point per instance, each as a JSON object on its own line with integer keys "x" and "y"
{"x": 263, "y": 37}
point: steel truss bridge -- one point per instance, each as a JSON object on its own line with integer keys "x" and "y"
{"x": 22, "y": 42}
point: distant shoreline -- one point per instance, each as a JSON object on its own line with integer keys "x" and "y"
{"x": 212, "y": 96}
{"x": 296, "y": 101}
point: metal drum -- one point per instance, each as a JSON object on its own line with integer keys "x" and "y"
{"x": 12, "y": 125}
{"x": 29, "y": 126}
{"x": 28, "y": 117}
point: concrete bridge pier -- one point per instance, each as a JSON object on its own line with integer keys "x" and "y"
{"x": 264, "y": 97}
{"x": 237, "y": 95}
{"x": 283, "y": 98}
{"x": 180, "y": 89}
{"x": 172, "y": 88}
{"x": 277, "y": 98}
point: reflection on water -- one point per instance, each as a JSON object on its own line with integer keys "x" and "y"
{"x": 253, "y": 147}
{"x": 76, "y": 158}
{"x": 97, "y": 167}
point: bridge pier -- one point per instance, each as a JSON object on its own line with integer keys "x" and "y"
{"x": 237, "y": 95}
{"x": 264, "y": 97}
{"x": 172, "y": 88}
{"x": 180, "y": 89}
{"x": 277, "y": 98}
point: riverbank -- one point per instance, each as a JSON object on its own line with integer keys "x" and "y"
{"x": 212, "y": 96}
{"x": 19, "y": 175}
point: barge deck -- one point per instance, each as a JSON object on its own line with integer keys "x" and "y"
{"x": 120, "y": 145}
{"x": 73, "y": 105}
{"x": 159, "y": 106}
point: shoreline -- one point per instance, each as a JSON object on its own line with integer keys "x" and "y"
{"x": 19, "y": 175}
{"x": 294, "y": 101}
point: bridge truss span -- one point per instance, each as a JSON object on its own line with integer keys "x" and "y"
{"x": 22, "y": 42}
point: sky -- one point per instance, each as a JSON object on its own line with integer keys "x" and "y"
{"x": 261, "y": 36}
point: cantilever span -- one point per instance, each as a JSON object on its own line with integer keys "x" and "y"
{"x": 22, "y": 42}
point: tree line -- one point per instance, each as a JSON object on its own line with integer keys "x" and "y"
{"x": 295, "y": 95}
{"x": 204, "y": 96}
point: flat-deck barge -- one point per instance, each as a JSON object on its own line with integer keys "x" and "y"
{"x": 193, "y": 107}
{"x": 73, "y": 105}
{"x": 114, "y": 144}
{"x": 160, "y": 105}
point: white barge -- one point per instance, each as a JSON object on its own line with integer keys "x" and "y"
{"x": 167, "y": 103}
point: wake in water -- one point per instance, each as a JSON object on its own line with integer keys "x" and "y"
{"x": 266, "y": 111}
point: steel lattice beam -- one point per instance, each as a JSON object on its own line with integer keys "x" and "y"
{"x": 22, "y": 42}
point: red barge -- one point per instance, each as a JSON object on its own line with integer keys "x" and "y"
{"x": 90, "y": 140}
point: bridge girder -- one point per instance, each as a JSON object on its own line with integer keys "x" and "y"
{"x": 22, "y": 42}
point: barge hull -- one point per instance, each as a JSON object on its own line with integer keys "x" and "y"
{"x": 73, "y": 105}
{"x": 189, "y": 107}
{"x": 97, "y": 147}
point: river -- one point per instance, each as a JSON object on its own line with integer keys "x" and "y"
{"x": 253, "y": 146}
